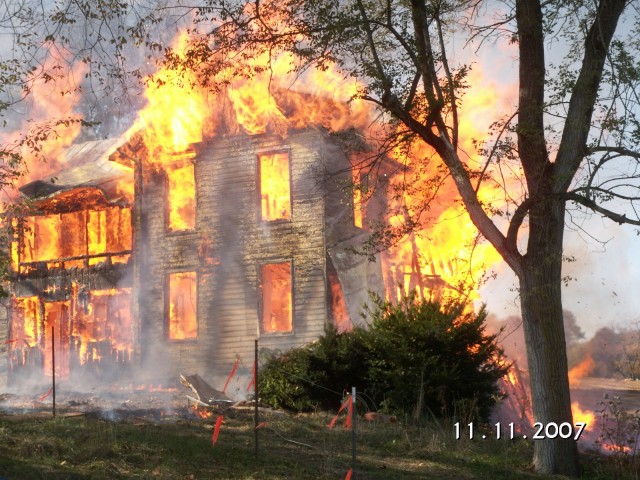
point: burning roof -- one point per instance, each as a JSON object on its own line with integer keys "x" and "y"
{"x": 87, "y": 166}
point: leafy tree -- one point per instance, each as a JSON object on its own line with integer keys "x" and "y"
{"x": 571, "y": 143}
{"x": 628, "y": 363}
{"x": 415, "y": 357}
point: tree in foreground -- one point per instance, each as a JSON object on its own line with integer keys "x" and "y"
{"x": 570, "y": 143}
{"x": 415, "y": 358}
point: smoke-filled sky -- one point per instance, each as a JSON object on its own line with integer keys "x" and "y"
{"x": 606, "y": 277}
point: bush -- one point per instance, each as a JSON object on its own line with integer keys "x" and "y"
{"x": 312, "y": 377}
{"x": 415, "y": 357}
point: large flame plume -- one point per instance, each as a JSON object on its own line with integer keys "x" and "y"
{"x": 442, "y": 256}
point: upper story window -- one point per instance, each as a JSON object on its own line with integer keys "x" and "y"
{"x": 277, "y": 298}
{"x": 73, "y": 239}
{"x": 358, "y": 213}
{"x": 275, "y": 186}
{"x": 181, "y": 197}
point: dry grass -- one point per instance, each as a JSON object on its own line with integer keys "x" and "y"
{"x": 291, "y": 447}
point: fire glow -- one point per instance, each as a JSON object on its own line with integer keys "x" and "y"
{"x": 73, "y": 239}
{"x": 431, "y": 260}
{"x": 82, "y": 229}
{"x": 101, "y": 330}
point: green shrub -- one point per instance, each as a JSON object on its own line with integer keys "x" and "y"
{"x": 415, "y": 357}
{"x": 312, "y": 377}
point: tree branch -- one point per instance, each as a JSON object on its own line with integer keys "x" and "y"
{"x": 586, "y": 202}
{"x": 516, "y": 222}
{"x": 386, "y": 84}
{"x": 493, "y": 150}
{"x": 607, "y": 192}
{"x": 452, "y": 91}
{"x": 432, "y": 89}
{"x": 460, "y": 176}
{"x": 412, "y": 91}
{"x": 620, "y": 150}
{"x": 573, "y": 144}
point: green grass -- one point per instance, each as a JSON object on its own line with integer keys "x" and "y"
{"x": 291, "y": 447}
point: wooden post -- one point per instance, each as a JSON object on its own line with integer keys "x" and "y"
{"x": 255, "y": 400}
{"x": 53, "y": 368}
{"x": 353, "y": 432}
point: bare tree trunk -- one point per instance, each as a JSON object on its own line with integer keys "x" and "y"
{"x": 540, "y": 290}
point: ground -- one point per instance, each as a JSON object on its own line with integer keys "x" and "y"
{"x": 153, "y": 433}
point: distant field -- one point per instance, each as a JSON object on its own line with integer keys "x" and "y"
{"x": 608, "y": 384}
{"x": 591, "y": 392}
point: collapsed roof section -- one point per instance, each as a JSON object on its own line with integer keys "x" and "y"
{"x": 90, "y": 179}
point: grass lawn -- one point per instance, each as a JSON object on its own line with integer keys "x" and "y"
{"x": 37, "y": 446}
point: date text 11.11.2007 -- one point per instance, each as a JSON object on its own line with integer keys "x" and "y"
{"x": 542, "y": 431}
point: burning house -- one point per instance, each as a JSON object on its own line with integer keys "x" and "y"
{"x": 218, "y": 218}
{"x": 129, "y": 265}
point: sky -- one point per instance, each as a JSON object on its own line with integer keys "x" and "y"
{"x": 605, "y": 285}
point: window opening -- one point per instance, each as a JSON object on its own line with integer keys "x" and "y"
{"x": 275, "y": 186}
{"x": 183, "y": 322}
{"x": 277, "y": 298}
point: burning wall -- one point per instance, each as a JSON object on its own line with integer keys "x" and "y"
{"x": 73, "y": 289}
{"x": 71, "y": 262}
{"x": 226, "y": 242}
{"x": 257, "y": 250}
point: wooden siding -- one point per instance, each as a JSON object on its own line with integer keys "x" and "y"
{"x": 226, "y": 248}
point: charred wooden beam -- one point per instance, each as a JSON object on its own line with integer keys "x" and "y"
{"x": 77, "y": 257}
{"x": 205, "y": 393}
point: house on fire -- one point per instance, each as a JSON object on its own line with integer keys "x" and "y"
{"x": 129, "y": 266}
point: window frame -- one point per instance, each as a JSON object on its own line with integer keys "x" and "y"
{"x": 260, "y": 287}
{"x": 260, "y": 154}
{"x": 167, "y": 306}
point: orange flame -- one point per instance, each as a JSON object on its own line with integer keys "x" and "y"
{"x": 275, "y": 188}
{"x": 71, "y": 239}
{"x": 201, "y": 411}
{"x": 277, "y": 306}
{"x": 183, "y": 321}
{"x": 582, "y": 370}
{"x": 180, "y": 113}
{"x": 446, "y": 256}
{"x": 584, "y": 416}
{"x": 52, "y": 101}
